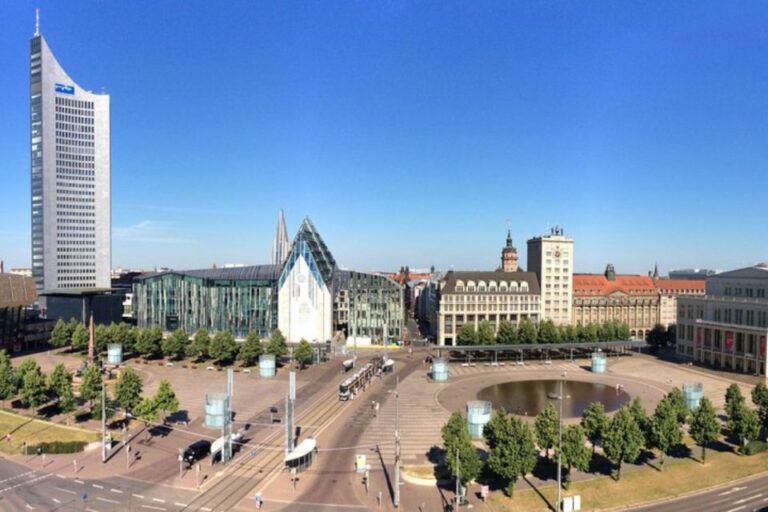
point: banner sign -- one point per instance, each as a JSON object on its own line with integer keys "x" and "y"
{"x": 729, "y": 340}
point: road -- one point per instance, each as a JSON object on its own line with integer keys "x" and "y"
{"x": 747, "y": 496}
{"x": 22, "y": 488}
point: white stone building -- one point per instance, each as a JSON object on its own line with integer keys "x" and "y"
{"x": 727, "y": 327}
{"x": 550, "y": 257}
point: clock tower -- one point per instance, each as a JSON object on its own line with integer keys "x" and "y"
{"x": 509, "y": 255}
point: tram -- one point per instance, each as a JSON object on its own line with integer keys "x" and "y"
{"x": 354, "y": 385}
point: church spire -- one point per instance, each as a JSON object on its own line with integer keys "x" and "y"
{"x": 280, "y": 245}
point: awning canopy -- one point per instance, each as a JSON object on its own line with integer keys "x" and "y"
{"x": 303, "y": 449}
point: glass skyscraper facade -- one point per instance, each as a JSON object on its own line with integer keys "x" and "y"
{"x": 70, "y": 177}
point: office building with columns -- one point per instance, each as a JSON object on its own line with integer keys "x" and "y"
{"x": 727, "y": 327}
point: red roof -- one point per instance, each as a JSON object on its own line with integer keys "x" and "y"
{"x": 598, "y": 284}
{"x": 681, "y": 285}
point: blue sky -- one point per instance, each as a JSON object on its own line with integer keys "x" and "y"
{"x": 411, "y": 131}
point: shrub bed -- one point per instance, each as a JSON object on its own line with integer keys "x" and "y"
{"x": 755, "y": 447}
{"x": 58, "y": 447}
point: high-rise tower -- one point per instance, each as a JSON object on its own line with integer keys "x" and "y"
{"x": 70, "y": 171}
{"x": 280, "y": 245}
{"x": 550, "y": 257}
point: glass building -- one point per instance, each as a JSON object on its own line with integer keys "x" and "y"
{"x": 239, "y": 300}
{"x": 307, "y": 297}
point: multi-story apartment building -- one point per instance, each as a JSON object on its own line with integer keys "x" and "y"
{"x": 70, "y": 171}
{"x": 472, "y": 297}
{"x": 727, "y": 327}
{"x": 550, "y": 257}
{"x": 632, "y": 299}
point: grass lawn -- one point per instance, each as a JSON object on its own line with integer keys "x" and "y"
{"x": 35, "y": 431}
{"x": 643, "y": 485}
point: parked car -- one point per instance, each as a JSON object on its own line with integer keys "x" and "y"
{"x": 197, "y": 451}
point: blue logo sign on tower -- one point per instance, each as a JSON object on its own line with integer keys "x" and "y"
{"x": 65, "y": 89}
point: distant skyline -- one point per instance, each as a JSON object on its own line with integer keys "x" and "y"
{"x": 410, "y": 133}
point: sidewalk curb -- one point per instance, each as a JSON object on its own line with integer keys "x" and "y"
{"x": 672, "y": 499}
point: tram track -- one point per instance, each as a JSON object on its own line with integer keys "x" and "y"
{"x": 233, "y": 485}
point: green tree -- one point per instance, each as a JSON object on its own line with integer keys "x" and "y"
{"x": 456, "y": 438}
{"x": 548, "y": 332}
{"x": 467, "y": 335}
{"x": 33, "y": 392}
{"x": 128, "y": 389}
{"x": 733, "y": 400}
{"x": 527, "y": 332}
{"x": 575, "y": 452}
{"x": 569, "y": 334}
{"x": 591, "y": 333}
{"x": 27, "y": 365}
{"x": 704, "y": 427}
{"x": 657, "y": 337}
{"x": 7, "y": 379}
{"x": 223, "y": 347}
{"x": 760, "y": 399}
{"x": 623, "y": 440}
{"x": 276, "y": 344}
{"x": 60, "y": 336}
{"x": 110, "y": 406}
{"x": 638, "y": 411}
{"x": 622, "y": 331}
{"x": 744, "y": 424}
{"x": 594, "y": 421}
{"x": 303, "y": 353}
{"x": 664, "y": 429}
{"x": 90, "y": 383}
{"x": 80, "y": 338}
{"x": 200, "y": 344}
{"x": 165, "y": 398}
{"x": 512, "y": 450}
{"x": 485, "y": 334}
{"x": 175, "y": 345}
{"x": 59, "y": 382}
{"x": 677, "y": 400}
{"x": 546, "y": 426}
{"x": 101, "y": 338}
{"x": 507, "y": 334}
{"x": 251, "y": 350}
{"x": 149, "y": 342}
{"x": 125, "y": 335}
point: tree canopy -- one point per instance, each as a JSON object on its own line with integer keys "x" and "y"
{"x": 623, "y": 440}
{"x": 223, "y": 347}
{"x": 250, "y": 350}
{"x": 704, "y": 427}
{"x": 200, "y": 345}
{"x": 664, "y": 429}
{"x": 276, "y": 345}
{"x": 467, "y": 335}
{"x": 303, "y": 353}
{"x": 546, "y": 426}
{"x": 456, "y": 438}
{"x": 507, "y": 334}
{"x": 128, "y": 389}
{"x": 485, "y": 333}
{"x": 175, "y": 345}
{"x": 594, "y": 421}
{"x": 575, "y": 453}
{"x": 512, "y": 449}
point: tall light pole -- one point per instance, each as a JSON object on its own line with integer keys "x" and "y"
{"x": 103, "y": 418}
{"x": 397, "y": 443}
{"x": 560, "y": 398}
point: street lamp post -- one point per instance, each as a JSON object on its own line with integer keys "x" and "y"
{"x": 560, "y": 397}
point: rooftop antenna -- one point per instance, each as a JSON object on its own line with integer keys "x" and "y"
{"x": 37, "y": 22}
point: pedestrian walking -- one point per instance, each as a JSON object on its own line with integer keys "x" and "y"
{"x": 376, "y": 410}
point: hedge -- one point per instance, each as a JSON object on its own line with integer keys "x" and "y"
{"x": 57, "y": 447}
{"x": 755, "y": 447}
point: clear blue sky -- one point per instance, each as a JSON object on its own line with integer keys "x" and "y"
{"x": 411, "y": 131}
